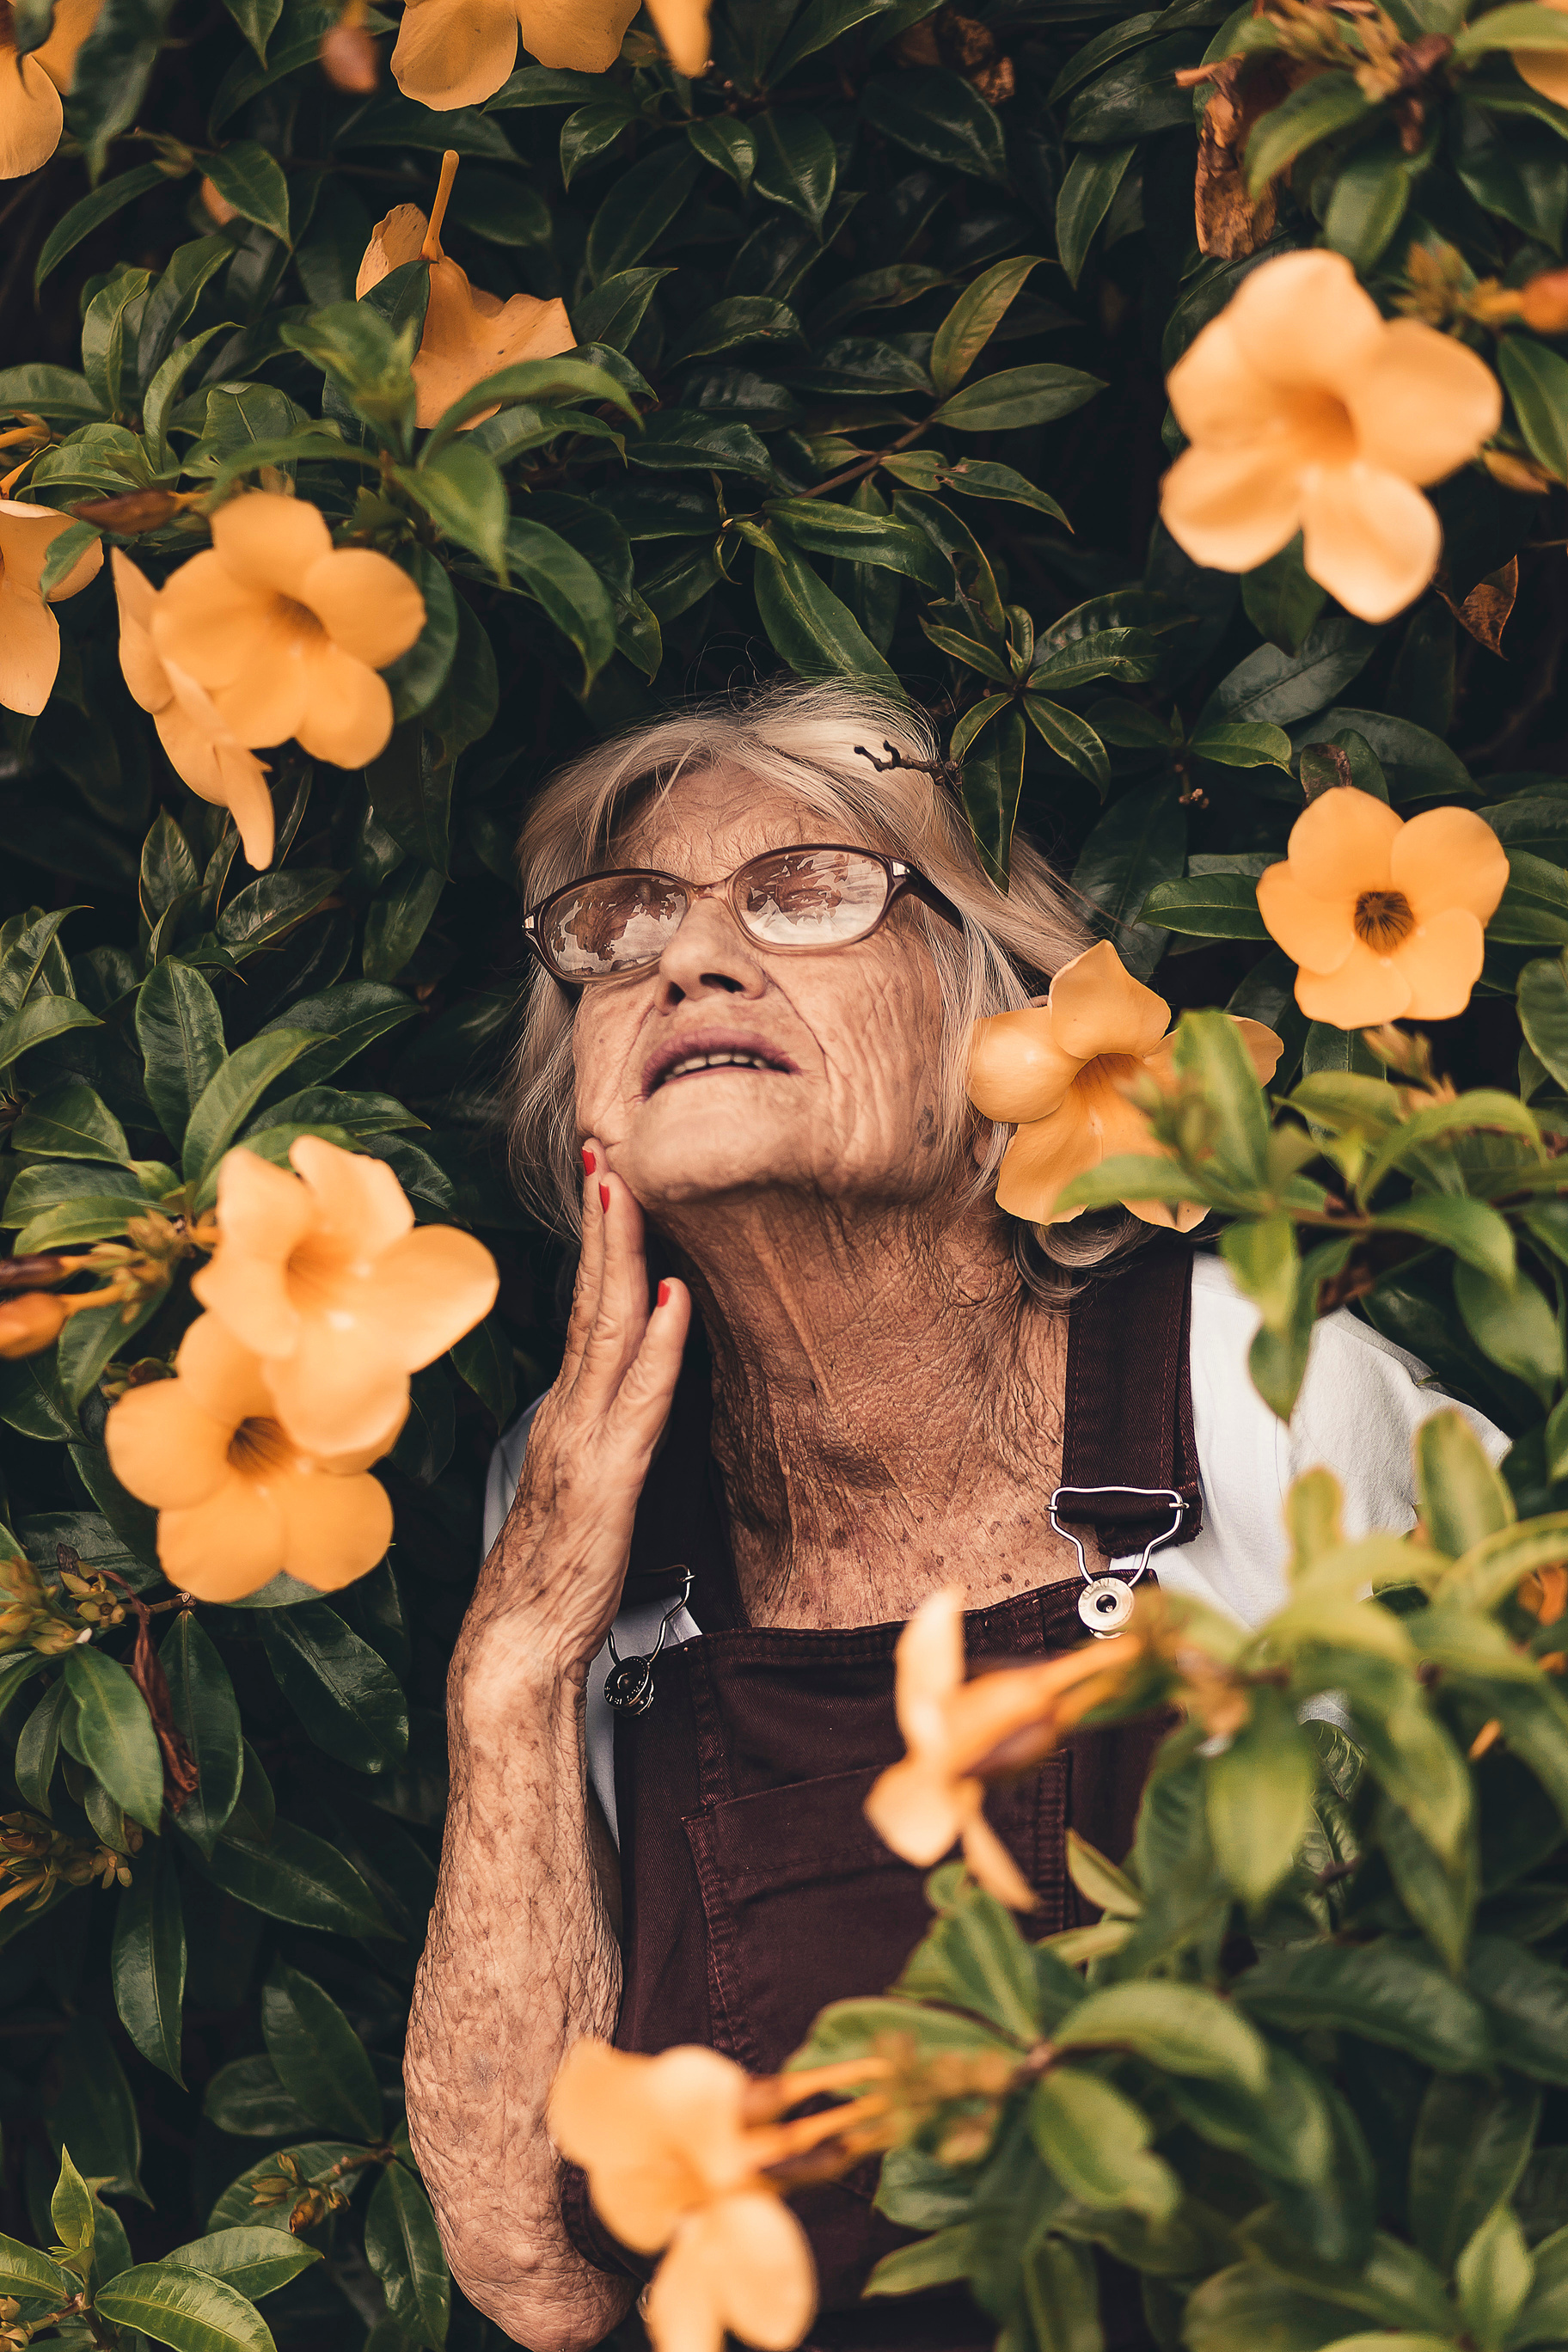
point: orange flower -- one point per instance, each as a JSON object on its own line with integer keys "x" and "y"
{"x": 31, "y": 116}
{"x": 29, "y": 633}
{"x": 200, "y": 749}
{"x": 323, "y": 1276}
{"x": 286, "y": 633}
{"x": 468, "y": 334}
{"x": 459, "y": 52}
{"x": 671, "y": 2162}
{"x": 237, "y": 1502}
{"x": 1307, "y": 411}
{"x": 32, "y": 1322}
{"x": 1383, "y": 917}
{"x": 1547, "y": 71}
{"x": 959, "y": 1734}
{"x": 1059, "y": 1069}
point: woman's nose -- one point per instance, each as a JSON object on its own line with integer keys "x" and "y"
{"x": 708, "y": 954}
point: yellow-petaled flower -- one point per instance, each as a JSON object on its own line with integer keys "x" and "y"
{"x": 237, "y": 1504}
{"x": 31, "y": 1322}
{"x": 325, "y": 1276}
{"x": 468, "y": 334}
{"x": 1307, "y": 411}
{"x": 961, "y": 1735}
{"x": 1060, "y": 1071}
{"x": 285, "y": 632}
{"x": 672, "y": 2163}
{"x": 1385, "y": 917}
{"x": 29, "y": 633}
{"x": 459, "y": 52}
{"x": 200, "y": 748}
{"x": 31, "y": 115}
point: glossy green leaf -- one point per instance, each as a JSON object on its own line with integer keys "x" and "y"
{"x": 148, "y": 1962}
{"x": 114, "y": 1733}
{"x": 253, "y": 2261}
{"x": 184, "y": 2309}
{"x": 294, "y": 1875}
{"x": 404, "y": 2251}
{"x": 809, "y": 626}
{"x": 345, "y": 1695}
{"x": 320, "y": 2059}
{"x": 253, "y": 182}
{"x": 232, "y": 1093}
{"x": 1018, "y": 397}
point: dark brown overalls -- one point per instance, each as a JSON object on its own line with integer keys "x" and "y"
{"x": 755, "y": 1891}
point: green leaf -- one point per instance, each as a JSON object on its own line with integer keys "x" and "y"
{"x": 483, "y": 1358}
{"x": 237, "y": 2208}
{"x": 1463, "y": 1499}
{"x": 404, "y": 2251}
{"x": 540, "y": 384}
{"x": 1182, "y": 2028}
{"x": 91, "y": 212}
{"x": 1388, "y": 1991}
{"x": 26, "y": 2274}
{"x": 1281, "y": 600}
{"x": 1315, "y": 110}
{"x": 940, "y": 116}
{"x": 207, "y": 1714}
{"x": 810, "y": 628}
{"x": 1088, "y": 190}
{"x": 677, "y": 439}
{"x": 148, "y": 1962}
{"x": 638, "y": 210}
{"x": 39, "y": 1020}
{"x": 253, "y": 183}
{"x": 184, "y": 2309}
{"x": 347, "y": 1698}
{"x": 933, "y": 2261}
{"x": 1473, "y": 1230}
{"x": 71, "y": 1122}
{"x": 1492, "y": 2278}
{"x": 1533, "y": 909}
{"x": 1536, "y": 380}
{"x": 1471, "y": 2143}
{"x": 1244, "y": 2309}
{"x": 974, "y": 318}
{"x": 295, "y": 1876}
{"x": 819, "y": 23}
{"x": 567, "y": 588}
{"x": 1142, "y": 840}
{"x": 88, "y": 2106}
{"x": 1526, "y": 2000}
{"x": 343, "y": 1022}
{"x": 1519, "y": 26}
{"x": 613, "y": 310}
{"x": 257, "y": 20}
{"x": 1543, "y": 1014}
{"x": 796, "y": 165}
{"x": 1070, "y": 737}
{"x": 232, "y": 1093}
{"x": 180, "y": 1032}
{"x": 397, "y": 919}
{"x": 253, "y": 2261}
{"x": 1208, "y": 907}
{"x": 1096, "y": 2143}
{"x": 973, "y": 1958}
{"x": 993, "y": 783}
{"x": 1259, "y": 1797}
{"x": 364, "y": 359}
{"x": 1242, "y": 747}
{"x": 463, "y": 491}
{"x": 321, "y": 2060}
{"x": 115, "y": 1735}
{"x": 1512, "y": 1325}
{"x": 247, "y": 2098}
{"x": 728, "y": 144}
{"x": 1018, "y": 397}
{"x": 75, "y": 2219}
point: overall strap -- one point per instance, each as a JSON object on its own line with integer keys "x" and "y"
{"x": 1130, "y": 1403}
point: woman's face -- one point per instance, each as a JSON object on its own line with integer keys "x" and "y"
{"x": 845, "y": 1101}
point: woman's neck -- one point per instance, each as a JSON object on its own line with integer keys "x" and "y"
{"x": 887, "y": 1406}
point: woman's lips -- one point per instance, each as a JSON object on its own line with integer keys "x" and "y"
{"x": 691, "y": 1057}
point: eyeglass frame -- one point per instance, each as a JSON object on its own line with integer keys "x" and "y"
{"x": 903, "y": 878}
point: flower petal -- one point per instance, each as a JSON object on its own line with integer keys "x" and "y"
{"x": 138, "y": 599}
{"x": 583, "y": 33}
{"x": 223, "y": 1374}
{"x": 1215, "y": 396}
{"x": 1016, "y": 1069}
{"x": 1545, "y": 70}
{"x": 1365, "y": 991}
{"x": 203, "y": 755}
{"x": 682, "y": 27}
{"x": 266, "y": 541}
{"x": 1042, "y": 1159}
{"x": 994, "y": 1868}
{"x": 929, "y": 1658}
{"x": 743, "y": 2263}
{"x": 1449, "y": 857}
{"x": 455, "y": 52}
{"x": 431, "y": 1287}
{"x": 31, "y": 117}
{"x": 263, "y": 1215}
{"x": 335, "y": 1392}
{"x": 1369, "y": 538}
{"x": 228, "y": 1546}
{"x": 1097, "y": 1007}
{"x": 919, "y": 1809}
{"x": 366, "y": 603}
{"x": 335, "y": 1528}
{"x": 1343, "y": 844}
{"x": 29, "y": 644}
{"x": 1315, "y": 931}
{"x": 1264, "y": 1046}
{"x": 468, "y": 334}
{"x": 1441, "y": 962}
{"x": 347, "y": 716}
{"x": 162, "y": 1447}
{"x": 1304, "y": 319}
{"x": 73, "y": 21}
{"x": 1232, "y": 508}
{"x": 360, "y": 1206}
{"x": 393, "y": 241}
{"x": 1424, "y": 404}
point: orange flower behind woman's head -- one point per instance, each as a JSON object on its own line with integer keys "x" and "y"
{"x": 959, "y": 1735}
{"x": 285, "y": 632}
{"x": 1060, "y": 1071}
{"x": 1307, "y": 411}
{"x": 1385, "y": 917}
{"x": 671, "y": 2162}
{"x": 238, "y": 1502}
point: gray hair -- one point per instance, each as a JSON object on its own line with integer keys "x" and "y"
{"x": 800, "y": 740}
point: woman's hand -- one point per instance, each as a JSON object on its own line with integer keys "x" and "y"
{"x": 549, "y": 1592}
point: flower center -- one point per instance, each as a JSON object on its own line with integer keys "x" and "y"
{"x": 257, "y": 1446}
{"x": 1383, "y": 919}
{"x": 300, "y": 619}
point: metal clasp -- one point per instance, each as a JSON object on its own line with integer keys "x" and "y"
{"x": 628, "y": 1685}
{"x": 1106, "y": 1601}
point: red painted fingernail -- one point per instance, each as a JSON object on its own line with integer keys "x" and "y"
{"x": 664, "y": 1294}
{"x": 589, "y": 1162}
{"x": 605, "y": 1198}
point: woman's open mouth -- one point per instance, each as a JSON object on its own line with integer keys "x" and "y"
{"x": 690, "y": 1061}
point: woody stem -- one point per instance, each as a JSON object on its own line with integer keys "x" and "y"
{"x": 431, "y": 249}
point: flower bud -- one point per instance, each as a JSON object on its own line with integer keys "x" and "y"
{"x": 347, "y": 57}
{"x": 136, "y": 510}
{"x": 1544, "y": 302}
{"x": 30, "y": 1323}
{"x": 218, "y": 205}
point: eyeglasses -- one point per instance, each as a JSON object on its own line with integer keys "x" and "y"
{"x": 794, "y": 901}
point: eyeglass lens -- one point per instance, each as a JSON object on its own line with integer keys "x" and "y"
{"x": 789, "y": 897}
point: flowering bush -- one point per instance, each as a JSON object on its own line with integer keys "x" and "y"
{"x": 449, "y": 386}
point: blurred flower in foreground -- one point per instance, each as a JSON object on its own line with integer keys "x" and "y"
{"x": 468, "y": 334}
{"x": 31, "y": 1323}
{"x": 324, "y": 1276}
{"x": 671, "y": 2162}
{"x": 31, "y": 115}
{"x": 1545, "y": 70}
{"x": 960, "y": 1735}
{"x": 1307, "y": 411}
{"x": 1385, "y": 916}
{"x": 29, "y": 633}
{"x": 1059, "y": 1070}
{"x": 459, "y": 52}
{"x": 237, "y": 1502}
{"x": 200, "y": 748}
{"x": 285, "y": 632}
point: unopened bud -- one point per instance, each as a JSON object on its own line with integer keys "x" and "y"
{"x": 1544, "y": 302}
{"x": 217, "y": 203}
{"x": 349, "y": 58}
{"x": 30, "y": 1323}
{"x": 137, "y": 511}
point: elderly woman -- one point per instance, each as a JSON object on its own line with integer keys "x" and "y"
{"x": 812, "y": 1373}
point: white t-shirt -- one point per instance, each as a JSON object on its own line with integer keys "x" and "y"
{"x": 1360, "y": 1406}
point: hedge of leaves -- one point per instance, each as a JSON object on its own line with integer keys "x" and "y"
{"x": 869, "y": 322}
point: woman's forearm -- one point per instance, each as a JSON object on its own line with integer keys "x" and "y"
{"x": 520, "y": 1962}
